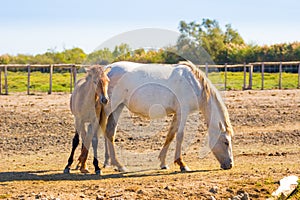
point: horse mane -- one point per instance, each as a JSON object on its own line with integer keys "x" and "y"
{"x": 209, "y": 91}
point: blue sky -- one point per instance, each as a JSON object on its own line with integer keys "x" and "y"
{"x": 34, "y": 26}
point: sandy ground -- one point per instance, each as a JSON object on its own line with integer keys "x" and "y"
{"x": 35, "y": 141}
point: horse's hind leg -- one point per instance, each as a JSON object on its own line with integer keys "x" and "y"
{"x": 169, "y": 139}
{"x": 82, "y": 160}
{"x": 75, "y": 143}
{"x": 84, "y": 150}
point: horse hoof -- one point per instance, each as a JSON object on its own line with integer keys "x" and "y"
{"x": 122, "y": 169}
{"x": 84, "y": 171}
{"x": 105, "y": 165}
{"x": 185, "y": 169}
{"x": 165, "y": 167}
{"x": 98, "y": 172}
{"x": 67, "y": 171}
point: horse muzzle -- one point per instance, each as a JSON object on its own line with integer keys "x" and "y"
{"x": 104, "y": 100}
{"x": 227, "y": 165}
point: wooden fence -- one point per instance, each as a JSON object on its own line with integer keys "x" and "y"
{"x": 72, "y": 67}
{"x": 250, "y": 67}
{"x": 73, "y": 73}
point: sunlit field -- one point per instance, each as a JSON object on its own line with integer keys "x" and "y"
{"x": 39, "y": 82}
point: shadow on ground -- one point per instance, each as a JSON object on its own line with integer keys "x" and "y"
{"x": 48, "y": 175}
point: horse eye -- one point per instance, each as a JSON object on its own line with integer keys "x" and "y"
{"x": 226, "y": 143}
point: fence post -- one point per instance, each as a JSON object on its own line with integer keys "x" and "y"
{"x": 50, "y": 79}
{"x": 71, "y": 79}
{"x": 250, "y": 77}
{"x": 262, "y": 75}
{"x": 5, "y": 80}
{"x": 74, "y": 75}
{"x": 280, "y": 76}
{"x": 28, "y": 79}
{"x": 206, "y": 69}
{"x": 225, "y": 74}
{"x": 0, "y": 80}
{"x": 299, "y": 76}
{"x": 245, "y": 72}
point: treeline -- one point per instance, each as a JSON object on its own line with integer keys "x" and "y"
{"x": 200, "y": 42}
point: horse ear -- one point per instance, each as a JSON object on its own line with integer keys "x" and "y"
{"x": 107, "y": 69}
{"x": 222, "y": 127}
{"x": 87, "y": 69}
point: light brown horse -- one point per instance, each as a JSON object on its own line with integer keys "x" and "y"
{"x": 85, "y": 104}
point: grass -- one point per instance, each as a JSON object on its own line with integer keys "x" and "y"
{"x": 296, "y": 193}
{"x": 39, "y": 82}
{"x": 235, "y": 80}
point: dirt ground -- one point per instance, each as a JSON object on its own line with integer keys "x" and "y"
{"x": 35, "y": 142}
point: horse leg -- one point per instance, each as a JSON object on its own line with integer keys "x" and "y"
{"x": 81, "y": 157}
{"x": 110, "y": 134}
{"x": 103, "y": 123}
{"x": 179, "y": 138}
{"x": 95, "y": 161}
{"x": 75, "y": 143}
{"x": 82, "y": 160}
{"x": 106, "y": 161}
{"x": 169, "y": 139}
{"x": 84, "y": 150}
{"x": 92, "y": 131}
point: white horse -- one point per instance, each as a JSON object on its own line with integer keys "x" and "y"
{"x": 85, "y": 103}
{"x": 154, "y": 90}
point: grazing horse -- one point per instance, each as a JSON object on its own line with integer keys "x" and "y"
{"x": 85, "y": 103}
{"x": 154, "y": 91}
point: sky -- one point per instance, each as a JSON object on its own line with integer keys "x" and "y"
{"x": 38, "y": 26}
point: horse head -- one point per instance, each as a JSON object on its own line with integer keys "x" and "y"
{"x": 100, "y": 80}
{"x": 221, "y": 146}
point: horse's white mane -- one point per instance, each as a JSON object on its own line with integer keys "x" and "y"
{"x": 209, "y": 91}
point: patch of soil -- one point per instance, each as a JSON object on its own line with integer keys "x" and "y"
{"x": 36, "y": 134}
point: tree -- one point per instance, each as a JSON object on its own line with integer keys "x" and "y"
{"x": 5, "y": 59}
{"x": 101, "y": 57}
{"x": 208, "y": 35}
{"x": 120, "y": 50}
{"x": 75, "y": 55}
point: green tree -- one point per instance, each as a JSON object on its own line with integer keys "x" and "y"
{"x": 5, "y": 59}
{"x": 102, "y": 57}
{"x": 208, "y": 35}
{"x": 120, "y": 50}
{"x": 75, "y": 55}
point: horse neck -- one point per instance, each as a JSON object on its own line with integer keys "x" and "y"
{"x": 211, "y": 112}
{"x": 91, "y": 91}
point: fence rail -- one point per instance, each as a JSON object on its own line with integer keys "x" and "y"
{"x": 73, "y": 72}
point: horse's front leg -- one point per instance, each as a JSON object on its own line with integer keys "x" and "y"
{"x": 95, "y": 161}
{"x": 107, "y": 158}
{"x": 179, "y": 138}
{"x": 110, "y": 134}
